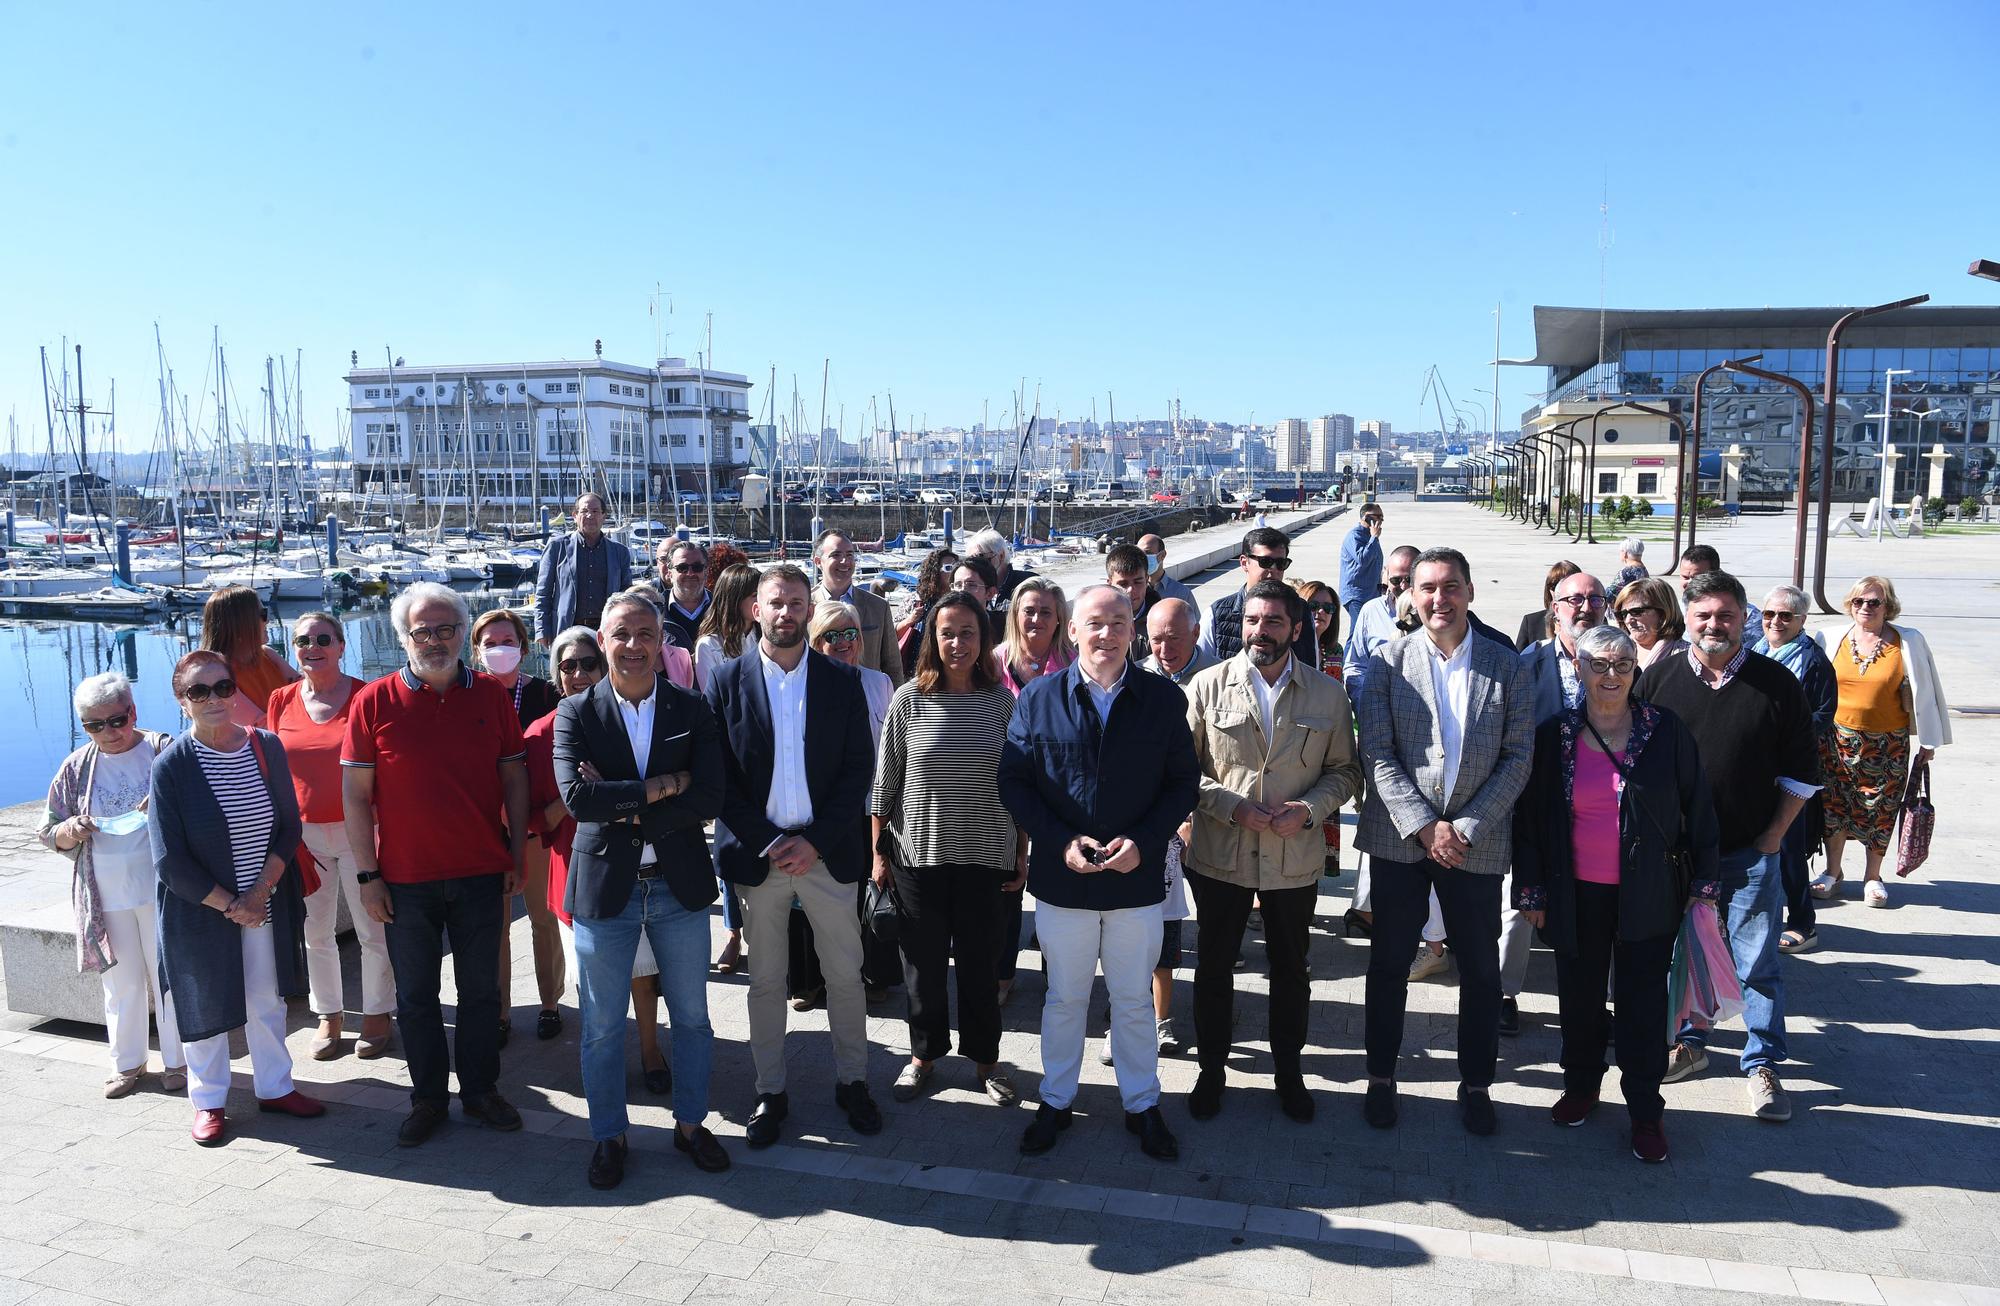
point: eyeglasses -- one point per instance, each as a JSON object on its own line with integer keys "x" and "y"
{"x": 321, "y": 640}
{"x": 1779, "y": 614}
{"x": 1866, "y": 603}
{"x": 846, "y": 636}
{"x": 434, "y": 634}
{"x": 689, "y": 568}
{"x": 1269, "y": 562}
{"x": 570, "y": 666}
{"x": 1627, "y": 614}
{"x": 1622, "y": 667}
{"x": 200, "y": 693}
{"x": 118, "y": 722}
{"x": 1321, "y": 605}
{"x": 1581, "y": 600}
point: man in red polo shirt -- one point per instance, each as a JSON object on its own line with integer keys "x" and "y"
{"x": 433, "y": 759}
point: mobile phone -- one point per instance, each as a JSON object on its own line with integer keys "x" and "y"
{"x": 1097, "y": 856}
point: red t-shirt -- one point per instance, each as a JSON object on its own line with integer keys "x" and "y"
{"x": 312, "y": 748}
{"x": 437, "y": 759}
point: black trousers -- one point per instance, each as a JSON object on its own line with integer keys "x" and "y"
{"x": 1007, "y": 936}
{"x": 467, "y": 912}
{"x": 1639, "y": 1005}
{"x": 1224, "y": 910}
{"x": 1471, "y": 907}
{"x": 1794, "y": 863}
{"x": 881, "y": 966}
{"x": 950, "y": 911}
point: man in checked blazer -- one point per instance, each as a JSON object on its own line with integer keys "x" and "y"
{"x": 1447, "y": 739}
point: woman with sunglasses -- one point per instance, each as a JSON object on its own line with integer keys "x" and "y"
{"x": 1785, "y": 641}
{"x": 225, "y": 831}
{"x": 1649, "y": 612}
{"x": 1613, "y": 837}
{"x": 232, "y": 624}
{"x": 1889, "y": 699}
{"x": 97, "y": 816}
{"x": 309, "y": 717}
{"x": 933, "y": 579}
{"x": 1324, "y": 607}
{"x": 499, "y": 638}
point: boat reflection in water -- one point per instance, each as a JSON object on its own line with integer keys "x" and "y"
{"x": 48, "y": 658}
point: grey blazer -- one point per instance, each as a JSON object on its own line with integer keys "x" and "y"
{"x": 1403, "y": 755}
{"x": 1543, "y": 660}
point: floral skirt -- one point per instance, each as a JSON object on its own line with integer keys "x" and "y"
{"x": 1864, "y": 774}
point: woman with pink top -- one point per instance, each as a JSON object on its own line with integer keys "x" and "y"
{"x": 1037, "y": 638}
{"x": 1614, "y": 837}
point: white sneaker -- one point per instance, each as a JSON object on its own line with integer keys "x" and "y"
{"x": 1875, "y": 893}
{"x": 1426, "y": 963}
{"x": 1104, "y": 1052}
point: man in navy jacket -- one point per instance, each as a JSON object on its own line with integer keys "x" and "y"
{"x": 798, "y": 759}
{"x": 1099, "y": 769}
{"x": 578, "y": 572}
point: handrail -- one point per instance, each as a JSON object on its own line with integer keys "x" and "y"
{"x": 1830, "y": 406}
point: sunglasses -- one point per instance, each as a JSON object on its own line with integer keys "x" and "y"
{"x": 1321, "y": 605}
{"x": 1626, "y": 614}
{"x": 224, "y": 688}
{"x": 1866, "y": 603}
{"x": 321, "y": 640}
{"x": 570, "y": 666}
{"x": 118, "y": 722}
{"x": 1397, "y": 584}
{"x": 847, "y": 636}
{"x": 689, "y": 568}
{"x": 1776, "y": 614}
{"x": 1269, "y": 562}
{"x": 1622, "y": 667}
{"x": 434, "y": 634}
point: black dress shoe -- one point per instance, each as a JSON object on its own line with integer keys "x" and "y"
{"x": 1206, "y": 1098}
{"x": 1510, "y": 1017}
{"x": 548, "y": 1025}
{"x": 863, "y": 1116}
{"x": 1379, "y": 1107}
{"x": 1475, "y": 1105}
{"x": 770, "y": 1112}
{"x": 702, "y": 1149}
{"x": 660, "y": 1082}
{"x": 607, "y": 1163}
{"x": 1043, "y": 1130}
{"x": 421, "y": 1123}
{"x": 493, "y": 1111}
{"x": 506, "y": 1031}
{"x": 1294, "y": 1100}
{"x": 1155, "y": 1139}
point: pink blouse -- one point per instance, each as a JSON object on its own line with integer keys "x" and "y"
{"x": 1594, "y": 817}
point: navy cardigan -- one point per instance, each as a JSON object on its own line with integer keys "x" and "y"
{"x": 201, "y": 952}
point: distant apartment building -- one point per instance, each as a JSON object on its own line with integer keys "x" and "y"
{"x": 1332, "y": 436}
{"x": 542, "y": 433}
{"x": 1371, "y": 434}
{"x": 1290, "y": 446}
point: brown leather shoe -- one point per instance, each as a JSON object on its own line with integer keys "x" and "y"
{"x": 209, "y": 1127}
{"x": 293, "y": 1103}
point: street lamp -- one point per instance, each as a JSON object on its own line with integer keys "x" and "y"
{"x": 1984, "y": 267}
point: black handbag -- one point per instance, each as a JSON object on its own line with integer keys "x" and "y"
{"x": 881, "y": 909}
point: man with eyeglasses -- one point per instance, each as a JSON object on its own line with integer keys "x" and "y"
{"x": 1785, "y": 640}
{"x": 432, "y": 762}
{"x": 1266, "y": 555}
{"x": 684, "y": 577}
{"x": 834, "y": 555}
{"x": 578, "y": 572}
{"x": 1361, "y": 562}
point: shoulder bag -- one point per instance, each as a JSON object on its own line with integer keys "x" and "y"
{"x": 1919, "y": 818}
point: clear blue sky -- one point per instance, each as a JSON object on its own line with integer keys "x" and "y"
{"x": 1282, "y": 210}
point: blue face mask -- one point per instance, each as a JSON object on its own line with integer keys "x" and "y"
{"x": 1152, "y": 564}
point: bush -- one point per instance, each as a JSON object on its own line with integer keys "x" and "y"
{"x": 1968, "y": 507}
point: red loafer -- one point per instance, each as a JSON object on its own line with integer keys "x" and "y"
{"x": 209, "y": 1127}
{"x": 293, "y": 1103}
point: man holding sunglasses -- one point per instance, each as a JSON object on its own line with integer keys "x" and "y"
{"x": 684, "y": 579}
{"x": 1267, "y": 554}
{"x": 433, "y": 760}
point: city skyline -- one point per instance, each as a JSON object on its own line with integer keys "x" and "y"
{"x": 997, "y": 209}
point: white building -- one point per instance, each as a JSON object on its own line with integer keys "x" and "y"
{"x": 1289, "y": 446}
{"x": 1331, "y": 436}
{"x": 541, "y": 433}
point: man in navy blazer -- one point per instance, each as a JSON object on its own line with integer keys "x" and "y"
{"x": 639, "y": 763}
{"x": 578, "y": 572}
{"x": 799, "y": 759}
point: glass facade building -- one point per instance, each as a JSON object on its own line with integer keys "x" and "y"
{"x": 1945, "y": 390}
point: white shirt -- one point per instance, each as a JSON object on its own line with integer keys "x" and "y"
{"x": 1100, "y": 697}
{"x": 790, "y": 804}
{"x": 123, "y": 862}
{"x": 1451, "y": 686}
{"x": 1267, "y": 694}
{"x": 638, "y": 719}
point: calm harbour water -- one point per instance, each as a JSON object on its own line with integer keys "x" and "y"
{"x": 48, "y": 658}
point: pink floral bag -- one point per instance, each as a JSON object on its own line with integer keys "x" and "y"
{"x": 1913, "y": 843}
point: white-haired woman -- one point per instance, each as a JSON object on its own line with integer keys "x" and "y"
{"x": 1631, "y": 563}
{"x": 96, "y": 817}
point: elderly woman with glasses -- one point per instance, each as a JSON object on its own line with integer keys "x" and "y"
{"x": 1890, "y": 698}
{"x": 1613, "y": 837}
{"x": 1785, "y": 640}
{"x": 1649, "y": 612}
{"x": 97, "y": 817}
{"x": 225, "y": 833}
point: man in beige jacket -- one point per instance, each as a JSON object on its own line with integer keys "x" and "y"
{"x": 1275, "y": 741}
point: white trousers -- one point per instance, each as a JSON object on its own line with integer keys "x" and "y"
{"x": 264, "y": 1032}
{"x": 327, "y": 842}
{"x": 1127, "y": 941}
{"x": 1516, "y": 938}
{"x": 130, "y": 985}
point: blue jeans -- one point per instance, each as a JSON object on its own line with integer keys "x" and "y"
{"x": 604, "y": 952}
{"x": 1753, "y": 887}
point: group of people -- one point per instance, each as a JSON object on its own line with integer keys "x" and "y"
{"x": 1111, "y": 754}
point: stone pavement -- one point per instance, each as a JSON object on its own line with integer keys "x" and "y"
{"x": 1882, "y": 1189}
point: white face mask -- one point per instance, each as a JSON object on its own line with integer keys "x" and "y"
{"x": 501, "y": 659}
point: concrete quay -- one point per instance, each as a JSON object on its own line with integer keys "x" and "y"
{"x": 1884, "y": 1188}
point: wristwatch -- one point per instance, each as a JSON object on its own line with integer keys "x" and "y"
{"x": 366, "y": 877}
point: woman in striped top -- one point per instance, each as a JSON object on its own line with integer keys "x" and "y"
{"x": 935, "y": 787}
{"x": 226, "y": 830}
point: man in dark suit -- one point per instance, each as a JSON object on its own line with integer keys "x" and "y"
{"x": 578, "y": 572}
{"x": 798, "y": 761}
{"x": 639, "y": 762}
